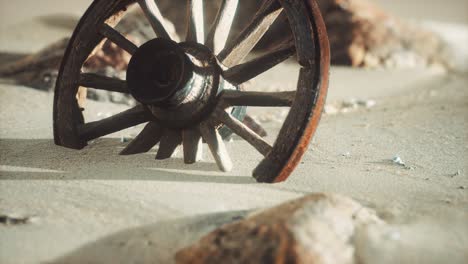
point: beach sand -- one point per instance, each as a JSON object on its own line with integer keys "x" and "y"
{"x": 94, "y": 206}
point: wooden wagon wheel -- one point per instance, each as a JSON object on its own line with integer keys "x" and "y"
{"x": 184, "y": 89}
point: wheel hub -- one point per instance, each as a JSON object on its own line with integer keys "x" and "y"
{"x": 158, "y": 70}
{"x": 177, "y": 82}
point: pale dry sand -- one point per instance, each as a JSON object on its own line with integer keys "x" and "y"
{"x": 93, "y": 206}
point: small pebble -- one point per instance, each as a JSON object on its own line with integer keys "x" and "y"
{"x": 367, "y": 103}
{"x": 458, "y": 173}
{"x": 350, "y": 103}
{"x": 330, "y": 109}
{"x": 398, "y": 160}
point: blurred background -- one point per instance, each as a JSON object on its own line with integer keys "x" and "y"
{"x": 12, "y": 12}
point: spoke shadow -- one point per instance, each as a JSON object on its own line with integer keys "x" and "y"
{"x": 154, "y": 243}
{"x": 41, "y": 159}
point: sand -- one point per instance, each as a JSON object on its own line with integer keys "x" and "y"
{"x": 97, "y": 206}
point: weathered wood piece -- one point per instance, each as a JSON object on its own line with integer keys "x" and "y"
{"x": 316, "y": 229}
{"x": 92, "y": 80}
{"x": 123, "y": 120}
{"x": 191, "y": 102}
{"x": 219, "y": 33}
{"x": 169, "y": 142}
{"x": 243, "y": 131}
{"x": 196, "y": 26}
{"x": 154, "y": 16}
{"x": 217, "y": 147}
{"x": 193, "y": 145}
{"x": 261, "y": 99}
{"x": 47, "y": 58}
{"x": 254, "y": 125}
{"x": 249, "y": 70}
{"x": 147, "y": 139}
{"x": 113, "y": 35}
{"x": 237, "y": 50}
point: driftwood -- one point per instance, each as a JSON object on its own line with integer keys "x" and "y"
{"x": 319, "y": 228}
{"x": 38, "y": 70}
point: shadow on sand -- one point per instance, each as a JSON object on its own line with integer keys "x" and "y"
{"x": 154, "y": 243}
{"x": 41, "y": 159}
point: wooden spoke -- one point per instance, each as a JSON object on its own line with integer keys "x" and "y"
{"x": 169, "y": 142}
{"x": 217, "y": 147}
{"x": 100, "y": 82}
{"x": 218, "y": 35}
{"x": 236, "y": 51}
{"x": 113, "y": 35}
{"x": 126, "y": 119}
{"x": 151, "y": 11}
{"x": 196, "y": 26}
{"x": 147, "y": 139}
{"x": 261, "y": 99}
{"x": 192, "y": 143}
{"x": 246, "y": 71}
{"x": 254, "y": 125}
{"x": 243, "y": 131}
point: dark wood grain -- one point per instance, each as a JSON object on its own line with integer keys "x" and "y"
{"x": 113, "y": 35}
{"x": 146, "y": 139}
{"x": 261, "y": 99}
{"x": 170, "y": 140}
{"x": 67, "y": 114}
{"x": 92, "y": 80}
{"x": 192, "y": 143}
{"x": 131, "y": 117}
{"x": 303, "y": 118}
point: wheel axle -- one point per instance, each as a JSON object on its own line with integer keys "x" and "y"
{"x": 157, "y": 71}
